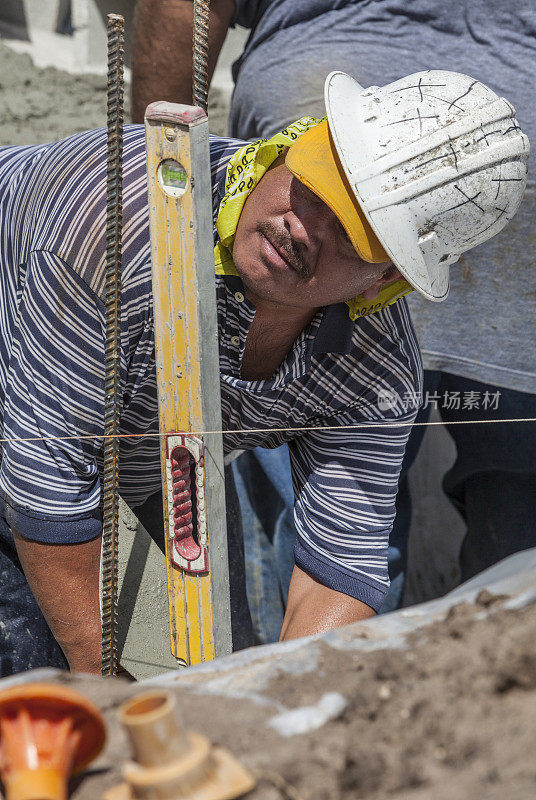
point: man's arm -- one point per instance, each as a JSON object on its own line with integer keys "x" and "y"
{"x": 314, "y": 608}
{"x": 65, "y": 583}
{"x": 162, "y": 50}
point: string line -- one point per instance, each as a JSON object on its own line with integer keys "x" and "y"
{"x": 358, "y": 426}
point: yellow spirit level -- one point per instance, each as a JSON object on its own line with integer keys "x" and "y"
{"x": 180, "y": 213}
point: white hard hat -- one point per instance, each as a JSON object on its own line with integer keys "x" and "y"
{"x": 437, "y": 162}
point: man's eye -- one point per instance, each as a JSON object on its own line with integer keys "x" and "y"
{"x": 313, "y": 198}
{"x": 344, "y": 236}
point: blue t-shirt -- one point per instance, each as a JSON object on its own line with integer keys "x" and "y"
{"x": 481, "y": 331}
{"x": 338, "y": 373}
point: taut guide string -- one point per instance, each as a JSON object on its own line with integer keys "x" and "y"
{"x": 300, "y": 429}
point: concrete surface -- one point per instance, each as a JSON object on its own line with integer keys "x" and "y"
{"x": 143, "y": 635}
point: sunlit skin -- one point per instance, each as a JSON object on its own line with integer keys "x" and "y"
{"x": 292, "y": 252}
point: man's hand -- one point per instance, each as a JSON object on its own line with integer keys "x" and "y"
{"x": 65, "y": 583}
{"x": 313, "y": 608}
{"x": 162, "y": 50}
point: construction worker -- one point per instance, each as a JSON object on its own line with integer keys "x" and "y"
{"x": 320, "y": 232}
{"x": 477, "y": 373}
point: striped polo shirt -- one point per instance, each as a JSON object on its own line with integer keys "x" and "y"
{"x": 339, "y": 373}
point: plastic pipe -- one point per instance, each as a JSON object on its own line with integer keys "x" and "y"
{"x": 170, "y": 763}
{"x": 152, "y": 723}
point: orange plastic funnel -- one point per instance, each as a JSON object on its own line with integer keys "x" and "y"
{"x": 47, "y": 733}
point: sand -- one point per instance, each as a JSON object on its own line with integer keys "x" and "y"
{"x": 451, "y": 716}
{"x": 44, "y": 105}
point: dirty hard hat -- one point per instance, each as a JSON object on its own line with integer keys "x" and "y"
{"x": 418, "y": 171}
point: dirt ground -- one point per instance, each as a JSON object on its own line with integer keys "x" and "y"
{"x": 45, "y": 105}
{"x": 452, "y": 716}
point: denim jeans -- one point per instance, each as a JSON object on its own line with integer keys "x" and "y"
{"x": 26, "y": 641}
{"x": 492, "y": 484}
{"x": 264, "y": 486}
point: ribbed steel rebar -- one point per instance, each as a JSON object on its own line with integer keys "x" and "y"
{"x": 112, "y": 351}
{"x": 200, "y": 53}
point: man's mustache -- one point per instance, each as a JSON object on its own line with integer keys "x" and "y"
{"x": 290, "y": 251}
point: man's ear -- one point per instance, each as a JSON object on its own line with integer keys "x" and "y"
{"x": 389, "y": 276}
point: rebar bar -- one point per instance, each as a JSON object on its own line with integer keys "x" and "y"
{"x": 112, "y": 348}
{"x": 200, "y": 53}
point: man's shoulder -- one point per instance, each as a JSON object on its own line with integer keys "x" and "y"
{"x": 392, "y": 323}
{"x": 73, "y": 179}
{"x": 385, "y": 345}
{"x": 391, "y": 328}
{"x": 223, "y": 147}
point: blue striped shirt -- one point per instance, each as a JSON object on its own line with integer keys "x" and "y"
{"x": 52, "y": 254}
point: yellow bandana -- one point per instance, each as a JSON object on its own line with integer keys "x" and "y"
{"x": 245, "y": 169}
